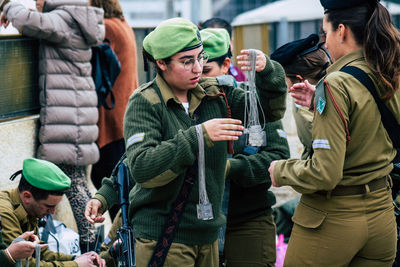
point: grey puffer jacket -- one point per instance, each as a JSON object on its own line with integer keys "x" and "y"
{"x": 67, "y": 30}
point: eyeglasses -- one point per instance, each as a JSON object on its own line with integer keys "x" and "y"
{"x": 189, "y": 63}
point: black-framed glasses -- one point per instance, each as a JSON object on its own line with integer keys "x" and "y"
{"x": 188, "y": 64}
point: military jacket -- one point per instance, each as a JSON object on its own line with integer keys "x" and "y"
{"x": 162, "y": 144}
{"x": 303, "y": 118}
{"x": 248, "y": 173}
{"x": 368, "y": 155}
{"x": 15, "y": 221}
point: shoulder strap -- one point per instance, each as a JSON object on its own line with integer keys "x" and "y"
{"x": 174, "y": 217}
{"x": 175, "y": 214}
{"x": 388, "y": 119}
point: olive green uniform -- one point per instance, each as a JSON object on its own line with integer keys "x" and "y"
{"x": 356, "y": 229}
{"x": 303, "y": 118}
{"x": 112, "y": 236}
{"x": 161, "y": 145}
{"x": 15, "y": 221}
{"x": 250, "y": 232}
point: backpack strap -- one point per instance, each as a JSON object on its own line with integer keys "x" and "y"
{"x": 388, "y": 119}
{"x": 106, "y": 78}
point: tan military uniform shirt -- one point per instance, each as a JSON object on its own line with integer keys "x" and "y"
{"x": 370, "y": 151}
{"x": 15, "y": 221}
{"x": 303, "y": 118}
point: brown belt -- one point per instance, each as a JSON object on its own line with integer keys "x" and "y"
{"x": 342, "y": 190}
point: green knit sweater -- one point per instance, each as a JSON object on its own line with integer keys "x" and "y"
{"x": 3, "y": 257}
{"x": 162, "y": 144}
{"x": 249, "y": 178}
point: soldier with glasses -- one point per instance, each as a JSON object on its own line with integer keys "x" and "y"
{"x": 165, "y": 123}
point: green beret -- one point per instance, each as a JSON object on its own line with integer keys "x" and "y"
{"x": 45, "y": 175}
{"x": 215, "y": 42}
{"x": 170, "y": 37}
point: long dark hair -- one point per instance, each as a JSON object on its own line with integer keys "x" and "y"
{"x": 372, "y": 27}
{"x": 112, "y": 8}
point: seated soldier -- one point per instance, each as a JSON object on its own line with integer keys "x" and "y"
{"x": 40, "y": 189}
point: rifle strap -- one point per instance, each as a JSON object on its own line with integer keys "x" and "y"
{"x": 164, "y": 242}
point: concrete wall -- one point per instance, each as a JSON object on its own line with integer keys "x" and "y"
{"x": 19, "y": 141}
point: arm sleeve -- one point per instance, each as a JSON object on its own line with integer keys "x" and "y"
{"x": 325, "y": 169}
{"x": 12, "y": 229}
{"x": 49, "y": 26}
{"x": 4, "y": 260}
{"x": 250, "y": 170}
{"x": 155, "y": 162}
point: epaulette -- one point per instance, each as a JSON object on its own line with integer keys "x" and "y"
{"x": 144, "y": 86}
{"x": 148, "y": 92}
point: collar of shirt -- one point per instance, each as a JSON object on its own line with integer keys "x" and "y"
{"x": 195, "y": 95}
{"x": 19, "y": 210}
{"x": 345, "y": 60}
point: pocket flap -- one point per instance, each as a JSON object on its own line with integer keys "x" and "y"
{"x": 308, "y": 217}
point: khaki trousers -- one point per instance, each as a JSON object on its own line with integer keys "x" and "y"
{"x": 179, "y": 255}
{"x": 251, "y": 244}
{"x": 357, "y": 230}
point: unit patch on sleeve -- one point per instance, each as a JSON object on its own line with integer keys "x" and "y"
{"x": 321, "y": 143}
{"x": 320, "y": 99}
{"x": 136, "y": 138}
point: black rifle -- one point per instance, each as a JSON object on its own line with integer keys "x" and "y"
{"x": 126, "y": 251}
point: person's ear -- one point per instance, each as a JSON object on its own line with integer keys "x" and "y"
{"x": 26, "y": 197}
{"x": 225, "y": 65}
{"x": 342, "y": 32}
{"x": 161, "y": 64}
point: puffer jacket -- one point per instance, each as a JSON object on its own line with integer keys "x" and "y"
{"x": 67, "y": 30}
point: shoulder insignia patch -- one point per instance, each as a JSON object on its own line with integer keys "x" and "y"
{"x": 107, "y": 240}
{"x": 282, "y": 133}
{"x": 136, "y": 138}
{"x": 321, "y": 143}
{"x": 320, "y": 99}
